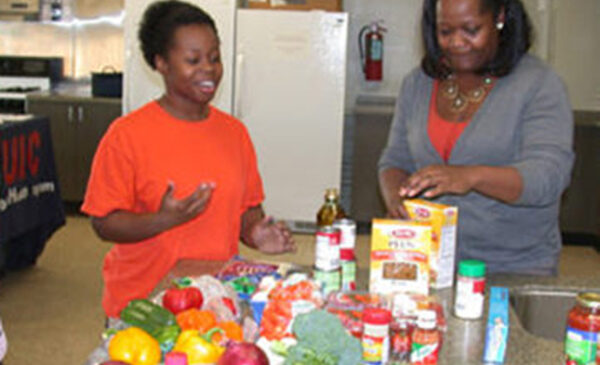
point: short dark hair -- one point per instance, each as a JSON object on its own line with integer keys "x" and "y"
{"x": 514, "y": 42}
{"x": 160, "y": 21}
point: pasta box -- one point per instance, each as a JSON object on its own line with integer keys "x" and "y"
{"x": 400, "y": 253}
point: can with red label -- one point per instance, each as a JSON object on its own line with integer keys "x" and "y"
{"x": 347, "y": 229}
{"x": 327, "y": 270}
{"x": 327, "y": 250}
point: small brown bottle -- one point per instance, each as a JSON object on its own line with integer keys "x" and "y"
{"x": 331, "y": 209}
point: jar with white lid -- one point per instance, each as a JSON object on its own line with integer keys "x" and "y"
{"x": 376, "y": 335}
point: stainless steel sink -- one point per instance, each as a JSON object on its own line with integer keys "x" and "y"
{"x": 543, "y": 311}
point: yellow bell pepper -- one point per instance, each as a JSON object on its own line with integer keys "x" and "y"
{"x": 199, "y": 348}
{"x": 134, "y": 346}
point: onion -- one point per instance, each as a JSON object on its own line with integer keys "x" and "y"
{"x": 243, "y": 353}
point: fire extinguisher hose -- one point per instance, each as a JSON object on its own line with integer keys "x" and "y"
{"x": 361, "y": 46}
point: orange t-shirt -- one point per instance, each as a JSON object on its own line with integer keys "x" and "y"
{"x": 442, "y": 133}
{"x": 143, "y": 151}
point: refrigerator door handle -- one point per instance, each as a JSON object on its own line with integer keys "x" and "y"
{"x": 237, "y": 102}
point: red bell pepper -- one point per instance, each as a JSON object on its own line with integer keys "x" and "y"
{"x": 178, "y": 299}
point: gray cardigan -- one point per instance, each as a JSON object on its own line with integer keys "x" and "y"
{"x": 525, "y": 122}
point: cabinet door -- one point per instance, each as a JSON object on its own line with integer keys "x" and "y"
{"x": 96, "y": 8}
{"x": 93, "y": 119}
{"x": 61, "y": 114}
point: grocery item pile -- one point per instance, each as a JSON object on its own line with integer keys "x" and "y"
{"x": 262, "y": 313}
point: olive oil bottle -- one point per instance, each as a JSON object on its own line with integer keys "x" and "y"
{"x": 331, "y": 209}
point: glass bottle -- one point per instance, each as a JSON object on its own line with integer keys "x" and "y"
{"x": 331, "y": 208}
{"x": 425, "y": 345}
{"x": 583, "y": 329}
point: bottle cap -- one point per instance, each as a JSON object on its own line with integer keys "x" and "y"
{"x": 589, "y": 300}
{"x": 331, "y": 193}
{"x": 377, "y": 316}
{"x": 471, "y": 268}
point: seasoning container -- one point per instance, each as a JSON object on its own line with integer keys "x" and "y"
{"x": 470, "y": 289}
{"x": 327, "y": 270}
{"x": 375, "y": 338}
{"x": 331, "y": 209}
{"x": 583, "y": 331}
{"x": 425, "y": 340}
{"x": 400, "y": 342}
{"x": 347, "y": 229}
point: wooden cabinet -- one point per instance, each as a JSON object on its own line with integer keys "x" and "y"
{"x": 77, "y": 125}
{"x": 96, "y": 8}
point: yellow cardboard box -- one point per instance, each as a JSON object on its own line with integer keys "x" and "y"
{"x": 399, "y": 256}
{"x": 443, "y": 220}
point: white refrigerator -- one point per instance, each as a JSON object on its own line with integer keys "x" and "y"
{"x": 284, "y": 78}
{"x": 289, "y": 91}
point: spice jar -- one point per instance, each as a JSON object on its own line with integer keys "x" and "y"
{"x": 470, "y": 289}
{"x": 583, "y": 331}
{"x": 400, "y": 342}
{"x": 425, "y": 346}
{"x": 375, "y": 338}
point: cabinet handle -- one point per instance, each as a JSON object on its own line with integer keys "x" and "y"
{"x": 70, "y": 113}
{"x": 80, "y": 114}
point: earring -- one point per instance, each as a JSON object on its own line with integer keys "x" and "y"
{"x": 499, "y": 25}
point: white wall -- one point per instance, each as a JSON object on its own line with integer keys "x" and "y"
{"x": 402, "y": 45}
{"x": 575, "y": 54}
{"x": 567, "y": 36}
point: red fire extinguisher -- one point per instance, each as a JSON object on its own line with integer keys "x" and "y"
{"x": 370, "y": 44}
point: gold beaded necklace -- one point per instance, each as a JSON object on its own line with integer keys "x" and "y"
{"x": 459, "y": 100}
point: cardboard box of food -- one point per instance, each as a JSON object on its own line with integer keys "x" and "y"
{"x": 328, "y": 5}
{"x": 443, "y": 220}
{"x": 399, "y": 256}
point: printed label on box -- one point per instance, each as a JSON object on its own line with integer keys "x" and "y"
{"x": 399, "y": 256}
{"x": 443, "y": 220}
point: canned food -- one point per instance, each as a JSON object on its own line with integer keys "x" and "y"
{"x": 327, "y": 250}
{"x": 347, "y": 229}
{"x": 348, "y": 275}
{"x": 328, "y": 279}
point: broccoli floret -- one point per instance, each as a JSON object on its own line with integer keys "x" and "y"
{"x": 322, "y": 340}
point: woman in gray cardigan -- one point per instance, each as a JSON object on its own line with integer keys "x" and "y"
{"x": 486, "y": 127}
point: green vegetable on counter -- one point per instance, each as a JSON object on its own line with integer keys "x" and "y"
{"x": 154, "y": 319}
{"x": 321, "y": 340}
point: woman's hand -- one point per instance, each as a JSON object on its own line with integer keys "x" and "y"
{"x": 436, "y": 180}
{"x": 390, "y": 181}
{"x": 395, "y": 207}
{"x": 272, "y": 238}
{"x": 175, "y": 212}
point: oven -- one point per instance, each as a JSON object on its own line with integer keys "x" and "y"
{"x": 22, "y": 75}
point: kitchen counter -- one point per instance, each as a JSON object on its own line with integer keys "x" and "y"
{"x": 71, "y": 91}
{"x": 463, "y": 340}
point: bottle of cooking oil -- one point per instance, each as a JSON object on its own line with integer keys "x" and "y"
{"x": 331, "y": 208}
